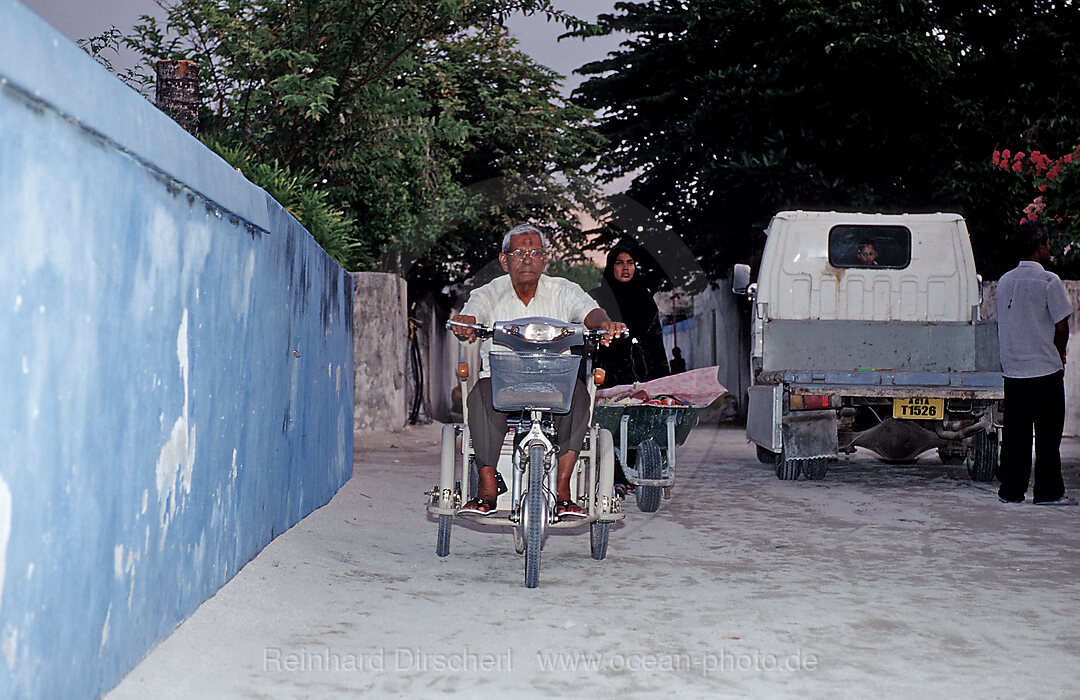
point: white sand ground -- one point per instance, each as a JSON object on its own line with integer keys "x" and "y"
{"x": 881, "y": 581}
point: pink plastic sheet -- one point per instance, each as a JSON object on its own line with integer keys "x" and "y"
{"x": 697, "y": 388}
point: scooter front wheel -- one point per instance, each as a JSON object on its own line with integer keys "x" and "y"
{"x": 442, "y": 547}
{"x": 535, "y": 516}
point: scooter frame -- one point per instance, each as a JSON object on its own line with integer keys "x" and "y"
{"x": 591, "y": 483}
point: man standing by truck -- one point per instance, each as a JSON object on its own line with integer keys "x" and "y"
{"x": 1032, "y": 312}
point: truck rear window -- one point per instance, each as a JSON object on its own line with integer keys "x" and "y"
{"x": 861, "y": 245}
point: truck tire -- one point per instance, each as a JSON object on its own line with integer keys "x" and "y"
{"x": 787, "y": 469}
{"x": 815, "y": 469}
{"x": 984, "y": 457}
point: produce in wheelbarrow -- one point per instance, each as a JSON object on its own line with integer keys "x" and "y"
{"x": 647, "y": 415}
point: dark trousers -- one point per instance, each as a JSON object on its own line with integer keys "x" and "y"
{"x": 487, "y": 427}
{"x": 1037, "y": 403}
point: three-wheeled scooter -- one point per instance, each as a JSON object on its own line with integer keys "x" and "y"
{"x": 533, "y": 376}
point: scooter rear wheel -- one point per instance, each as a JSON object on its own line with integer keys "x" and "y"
{"x": 598, "y": 538}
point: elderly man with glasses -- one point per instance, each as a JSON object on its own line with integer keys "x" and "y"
{"x": 526, "y": 291}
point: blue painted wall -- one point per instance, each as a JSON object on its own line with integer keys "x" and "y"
{"x": 175, "y": 370}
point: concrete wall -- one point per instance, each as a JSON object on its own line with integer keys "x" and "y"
{"x": 380, "y": 351}
{"x": 717, "y": 335}
{"x": 439, "y": 349}
{"x": 175, "y": 370}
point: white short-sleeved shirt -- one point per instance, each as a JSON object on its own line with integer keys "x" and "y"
{"x": 555, "y": 298}
{"x": 1029, "y": 301}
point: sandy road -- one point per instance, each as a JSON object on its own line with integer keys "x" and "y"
{"x": 881, "y": 581}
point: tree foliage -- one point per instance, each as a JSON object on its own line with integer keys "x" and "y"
{"x": 418, "y": 119}
{"x": 298, "y": 194}
{"x": 730, "y": 111}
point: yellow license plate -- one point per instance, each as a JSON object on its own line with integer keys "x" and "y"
{"x": 918, "y": 408}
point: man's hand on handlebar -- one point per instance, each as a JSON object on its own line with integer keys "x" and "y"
{"x": 463, "y": 333}
{"x": 614, "y": 329}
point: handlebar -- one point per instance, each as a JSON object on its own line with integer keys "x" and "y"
{"x": 488, "y": 331}
{"x": 509, "y": 333}
{"x": 481, "y": 331}
{"x": 599, "y": 332}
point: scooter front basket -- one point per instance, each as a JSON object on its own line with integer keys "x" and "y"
{"x": 523, "y": 381}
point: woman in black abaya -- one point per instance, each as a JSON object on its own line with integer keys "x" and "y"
{"x": 625, "y": 297}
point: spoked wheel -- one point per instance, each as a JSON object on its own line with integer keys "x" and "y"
{"x": 598, "y": 538}
{"x": 442, "y": 549}
{"x": 649, "y": 466}
{"x": 474, "y": 478}
{"x": 535, "y": 516}
{"x": 984, "y": 457}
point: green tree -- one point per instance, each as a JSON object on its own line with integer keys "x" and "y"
{"x": 374, "y": 98}
{"x": 522, "y": 152}
{"x": 730, "y": 111}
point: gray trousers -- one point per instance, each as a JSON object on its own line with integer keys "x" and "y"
{"x": 487, "y": 426}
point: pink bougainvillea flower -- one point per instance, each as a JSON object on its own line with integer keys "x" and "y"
{"x": 996, "y": 158}
{"x": 1005, "y": 155}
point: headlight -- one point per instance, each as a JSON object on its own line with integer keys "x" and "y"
{"x": 541, "y": 332}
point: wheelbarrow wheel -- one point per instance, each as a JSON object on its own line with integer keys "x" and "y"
{"x": 649, "y": 466}
{"x": 535, "y": 515}
{"x": 598, "y": 538}
{"x": 442, "y": 548}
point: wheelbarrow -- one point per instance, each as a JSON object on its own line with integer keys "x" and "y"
{"x": 646, "y": 436}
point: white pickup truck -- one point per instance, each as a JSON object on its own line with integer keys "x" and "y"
{"x": 865, "y": 332}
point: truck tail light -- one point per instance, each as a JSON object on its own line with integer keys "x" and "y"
{"x": 808, "y": 401}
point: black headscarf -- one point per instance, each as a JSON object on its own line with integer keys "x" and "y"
{"x": 630, "y": 302}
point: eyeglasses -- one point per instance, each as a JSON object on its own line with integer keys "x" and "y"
{"x": 519, "y": 254}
